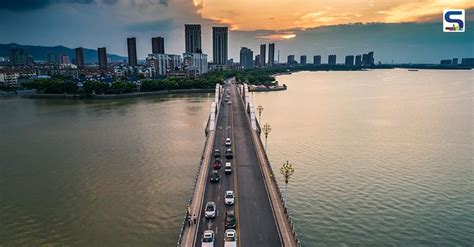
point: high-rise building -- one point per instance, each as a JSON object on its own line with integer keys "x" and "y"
{"x": 80, "y": 57}
{"x": 158, "y": 45}
{"x": 263, "y": 51}
{"x": 102, "y": 53}
{"x": 195, "y": 64}
{"x": 271, "y": 54}
{"x": 257, "y": 60}
{"x": 303, "y": 59}
{"x": 368, "y": 59}
{"x": 192, "y": 33}
{"x": 291, "y": 60}
{"x": 332, "y": 59}
{"x": 317, "y": 60}
{"x": 64, "y": 59}
{"x": 358, "y": 60}
{"x": 19, "y": 57}
{"x": 455, "y": 61}
{"x": 349, "y": 60}
{"x": 246, "y": 58}
{"x": 219, "y": 45}
{"x": 132, "y": 51}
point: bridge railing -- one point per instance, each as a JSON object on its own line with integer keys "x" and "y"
{"x": 246, "y": 100}
{"x": 282, "y": 201}
{"x": 217, "y": 102}
{"x": 186, "y": 215}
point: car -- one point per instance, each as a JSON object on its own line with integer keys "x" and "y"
{"x": 208, "y": 239}
{"x": 228, "y": 168}
{"x": 230, "y": 220}
{"x": 228, "y": 142}
{"x": 230, "y": 239}
{"x": 229, "y": 197}
{"x": 217, "y": 164}
{"x": 217, "y": 153}
{"x": 215, "y": 177}
{"x": 226, "y": 100}
{"x": 229, "y": 103}
{"x": 210, "y": 210}
{"x": 229, "y": 154}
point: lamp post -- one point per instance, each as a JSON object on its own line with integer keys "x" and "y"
{"x": 266, "y": 131}
{"x": 259, "y": 109}
{"x": 287, "y": 170}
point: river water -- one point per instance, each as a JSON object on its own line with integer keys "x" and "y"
{"x": 382, "y": 157}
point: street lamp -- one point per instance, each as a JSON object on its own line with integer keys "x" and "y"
{"x": 266, "y": 131}
{"x": 287, "y": 170}
{"x": 259, "y": 109}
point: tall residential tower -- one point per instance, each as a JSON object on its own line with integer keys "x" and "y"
{"x": 219, "y": 45}
{"x": 192, "y": 33}
{"x": 132, "y": 51}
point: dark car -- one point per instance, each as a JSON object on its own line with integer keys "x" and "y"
{"x": 229, "y": 154}
{"x": 215, "y": 177}
{"x": 217, "y": 153}
{"x": 217, "y": 164}
{"x": 230, "y": 220}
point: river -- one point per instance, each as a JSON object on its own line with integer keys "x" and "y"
{"x": 382, "y": 157}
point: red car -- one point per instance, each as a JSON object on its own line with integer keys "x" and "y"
{"x": 217, "y": 165}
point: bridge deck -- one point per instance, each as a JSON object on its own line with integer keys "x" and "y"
{"x": 255, "y": 222}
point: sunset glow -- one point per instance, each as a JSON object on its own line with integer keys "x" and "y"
{"x": 285, "y": 14}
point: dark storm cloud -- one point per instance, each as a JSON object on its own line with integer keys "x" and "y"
{"x": 25, "y": 5}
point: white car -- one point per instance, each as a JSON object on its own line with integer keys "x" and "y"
{"x": 210, "y": 211}
{"x": 229, "y": 197}
{"x": 228, "y": 168}
{"x": 208, "y": 239}
{"x": 230, "y": 239}
{"x": 228, "y": 142}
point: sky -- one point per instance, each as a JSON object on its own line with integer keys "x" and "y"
{"x": 397, "y": 31}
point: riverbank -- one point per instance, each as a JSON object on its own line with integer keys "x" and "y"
{"x": 115, "y": 96}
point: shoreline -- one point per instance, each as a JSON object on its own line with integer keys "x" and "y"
{"x": 115, "y": 96}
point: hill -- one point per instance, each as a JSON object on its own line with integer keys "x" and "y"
{"x": 39, "y": 52}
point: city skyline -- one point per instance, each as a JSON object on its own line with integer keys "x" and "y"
{"x": 76, "y": 24}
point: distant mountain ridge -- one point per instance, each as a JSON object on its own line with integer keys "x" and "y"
{"x": 39, "y": 52}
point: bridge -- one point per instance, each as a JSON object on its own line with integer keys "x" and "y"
{"x": 261, "y": 216}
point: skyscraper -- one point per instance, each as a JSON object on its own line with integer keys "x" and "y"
{"x": 358, "y": 60}
{"x": 246, "y": 58}
{"x": 317, "y": 60}
{"x": 19, "y": 57}
{"x": 291, "y": 60}
{"x": 102, "y": 53}
{"x": 271, "y": 54}
{"x": 332, "y": 59}
{"x": 303, "y": 59}
{"x": 132, "y": 51}
{"x": 349, "y": 60}
{"x": 80, "y": 57}
{"x": 64, "y": 59}
{"x": 257, "y": 60}
{"x": 219, "y": 45}
{"x": 263, "y": 48}
{"x": 192, "y": 33}
{"x": 158, "y": 45}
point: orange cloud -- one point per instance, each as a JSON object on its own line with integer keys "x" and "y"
{"x": 291, "y": 14}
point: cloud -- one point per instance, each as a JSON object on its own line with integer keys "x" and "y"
{"x": 25, "y": 5}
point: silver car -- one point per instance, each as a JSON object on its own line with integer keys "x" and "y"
{"x": 208, "y": 239}
{"x": 210, "y": 211}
